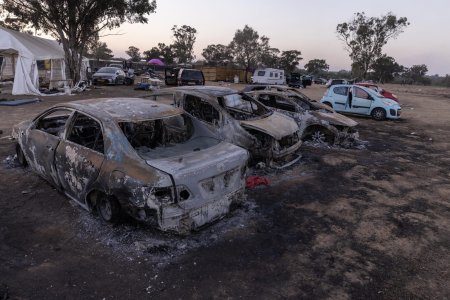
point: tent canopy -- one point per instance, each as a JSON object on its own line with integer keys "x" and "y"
{"x": 29, "y": 46}
{"x": 23, "y": 50}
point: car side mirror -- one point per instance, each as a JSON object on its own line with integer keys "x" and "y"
{"x": 117, "y": 73}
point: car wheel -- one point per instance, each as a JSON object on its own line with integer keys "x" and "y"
{"x": 128, "y": 81}
{"x": 329, "y": 104}
{"x": 320, "y": 135}
{"x": 116, "y": 81}
{"x": 379, "y": 114}
{"x": 20, "y": 156}
{"x": 108, "y": 208}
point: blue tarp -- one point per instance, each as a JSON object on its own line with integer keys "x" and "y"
{"x": 18, "y": 102}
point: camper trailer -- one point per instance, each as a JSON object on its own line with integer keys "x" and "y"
{"x": 268, "y": 76}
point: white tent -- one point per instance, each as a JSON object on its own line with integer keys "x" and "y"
{"x": 22, "y": 51}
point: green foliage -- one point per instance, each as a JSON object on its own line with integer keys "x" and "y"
{"x": 267, "y": 56}
{"x": 217, "y": 54}
{"x": 245, "y": 45}
{"x": 99, "y": 50}
{"x": 365, "y": 37}
{"x": 183, "y": 45}
{"x": 317, "y": 66}
{"x": 77, "y": 23}
{"x": 416, "y": 74}
{"x": 289, "y": 60}
{"x": 385, "y": 69}
{"x": 162, "y": 51}
{"x": 133, "y": 53}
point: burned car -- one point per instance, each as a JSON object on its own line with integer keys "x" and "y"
{"x": 146, "y": 159}
{"x": 239, "y": 119}
{"x": 317, "y": 122}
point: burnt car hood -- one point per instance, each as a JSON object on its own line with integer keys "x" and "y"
{"x": 334, "y": 118}
{"x": 276, "y": 125}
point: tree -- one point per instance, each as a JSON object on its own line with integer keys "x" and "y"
{"x": 365, "y": 37}
{"x": 385, "y": 69}
{"x": 183, "y": 45}
{"x": 267, "y": 56}
{"x": 8, "y": 20}
{"x": 163, "y": 52}
{"x": 245, "y": 45}
{"x": 134, "y": 53}
{"x": 99, "y": 50}
{"x": 289, "y": 60}
{"x": 317, "y": 66}
{"x": 76, "y": 23}
{"x": 217, "y": 54}
{"x": 417, "y": 74}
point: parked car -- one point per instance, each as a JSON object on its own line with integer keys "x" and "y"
{"x": 320, "y": 81}
{"x": 306, "y": 80}
{"x": 109, "y": 75}
{"x": 317, "y": 121}
{"x": 296, "y": 80}
{"x": 120, "y": 66}
{"x": 135, "y": 156}
{"x": 335, "y": 81}
{"x": 376, "y": 88}
{"x": 360, "y": 100}
{"x": 183, "y": 76}
{"x": 238, "y": 118}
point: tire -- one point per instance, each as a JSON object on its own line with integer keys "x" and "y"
{"x": 328, "y": 103}
{"x": 20, "y": 156}
{"x": 108, "y": 208}
{"x": 320, "y": 135}
{"x": 378, "y": 114}
{"x": 128, "y": 81}
{"x": 116, "y": 81}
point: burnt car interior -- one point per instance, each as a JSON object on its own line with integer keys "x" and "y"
{"x": 242, "y": 107}
{"x": 164, "y": 138}
{"x": 54, "y": 123}
{"x": 86, "y": 132}
{"x": 276, "y": 102}
{"x": 201, "y": 109}
{"x": 157, "y": 133}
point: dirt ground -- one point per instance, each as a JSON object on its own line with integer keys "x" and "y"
{"x": 340, "y": 224}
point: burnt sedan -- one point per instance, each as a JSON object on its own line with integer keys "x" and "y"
{"x": 134, "y": 156}
{"x": 239, "y": 119}
{"x": 317, "y": 122}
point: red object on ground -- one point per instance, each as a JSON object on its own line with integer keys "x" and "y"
{"x": 253, "y": 181}
{"x": 383, "y": 92}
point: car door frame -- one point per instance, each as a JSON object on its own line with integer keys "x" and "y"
{"x": 42, "y": 159}
{"x": 361, "y": 105}
{"x": 340, "y": 104}
{"x": 81, "y": 159}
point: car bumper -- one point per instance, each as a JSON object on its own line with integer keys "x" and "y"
{"x": 103, "y": 80}
{"x": 175, "y": 218}
{"x": 394, "y": 113}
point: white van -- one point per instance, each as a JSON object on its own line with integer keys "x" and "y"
{"x": 269, "y": 76}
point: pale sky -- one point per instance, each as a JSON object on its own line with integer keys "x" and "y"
{"x": 308, "y": 26}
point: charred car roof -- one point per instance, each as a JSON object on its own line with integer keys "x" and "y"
{"x": 123, "y": 109}
{"x": 215, "y": 91}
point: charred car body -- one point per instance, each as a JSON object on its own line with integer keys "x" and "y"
{"x": 317, "y": 121}
{"x": 131, "y": 155}
{"x": 239, "y": 119}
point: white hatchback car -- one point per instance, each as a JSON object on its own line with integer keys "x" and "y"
{"x": 346, "y": 98}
